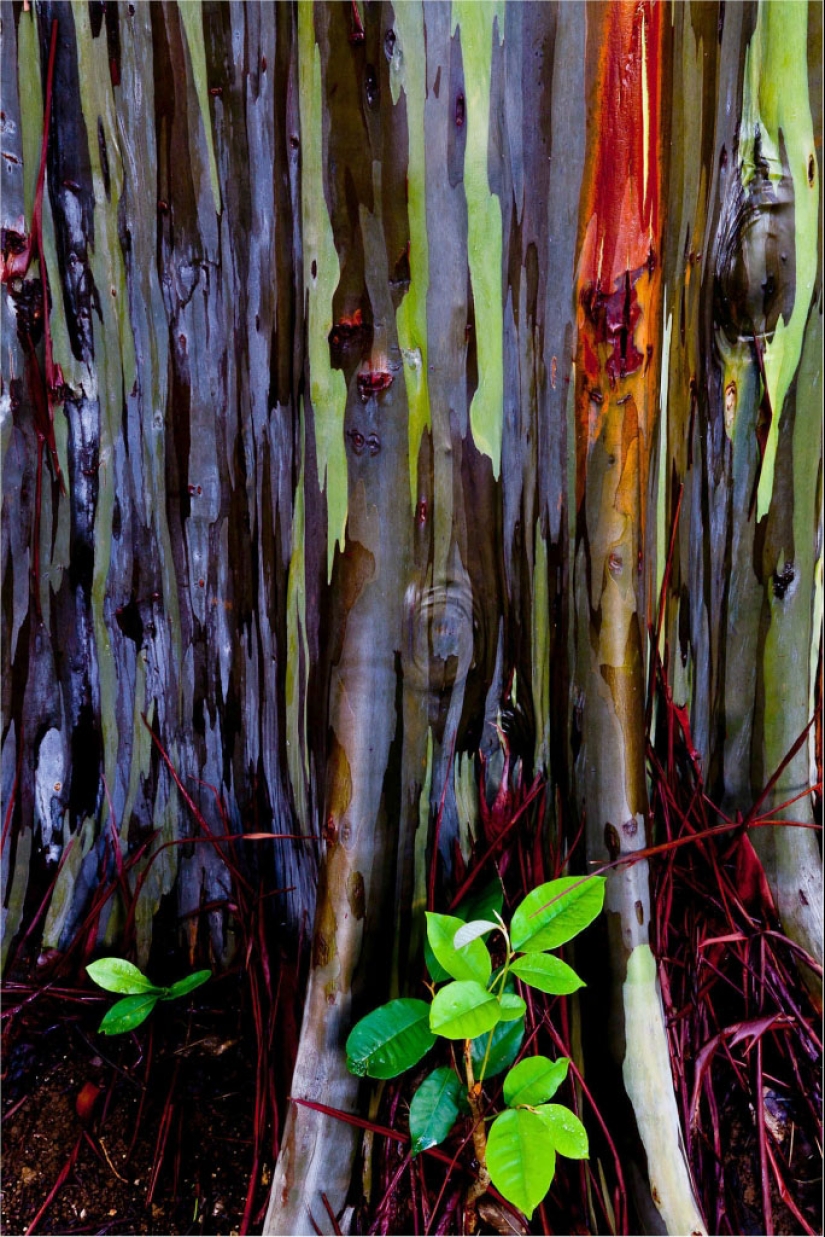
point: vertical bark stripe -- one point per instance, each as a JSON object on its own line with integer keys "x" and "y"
{"x": 479, "y": 25}
{"x": 321, "y": 274}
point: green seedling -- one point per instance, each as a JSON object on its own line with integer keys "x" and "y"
{"x": 118, "y": 975}
{"x": 480, "y": 1007}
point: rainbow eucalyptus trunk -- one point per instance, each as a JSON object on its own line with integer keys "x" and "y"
{"x": 743, "y": 325}
{"x": 616, "y": 400}
{"x": 176, "y": 320}
{"x": 359, "y": 410}
{"x": 415, "y": 591}
{"x": 381, "y": 343}
{"x": 766, "y": 262}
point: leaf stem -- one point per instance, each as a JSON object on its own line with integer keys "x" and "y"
{"x": 500, "y": 980}
{"x": 480, "y": 1185}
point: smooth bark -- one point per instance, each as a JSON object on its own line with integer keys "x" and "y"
{"x": 387, "y": 340}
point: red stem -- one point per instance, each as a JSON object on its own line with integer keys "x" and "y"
{"x": 621, "y": 1210}
{"x": 333, "y": 1219}
{"x": 759, "y": 1104}
{"x": 786, "y": 1195}
{"x": 163, "y": 1135}
{"x": 477, "y": 868}
{"x": 13, "y": 795}
{"x": 61, "y": 1179}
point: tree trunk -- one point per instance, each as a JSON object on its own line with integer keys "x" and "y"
{"x": 743, "y": 323}
{"x": 341, "y": 460}
{"x": 616, "y": 397}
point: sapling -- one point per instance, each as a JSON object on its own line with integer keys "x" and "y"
{"x": 478, "y": 1006}
{"x": 118, "y": 975}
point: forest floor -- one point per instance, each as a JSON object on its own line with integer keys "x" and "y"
{"x": 170, "y": 1129}
{"x": 151, "y": 1132}
{"x": 143, "y": 1133}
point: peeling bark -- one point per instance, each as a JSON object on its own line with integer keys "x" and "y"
{"x": 387, "y": 342}
{"x": 617, "y": 372}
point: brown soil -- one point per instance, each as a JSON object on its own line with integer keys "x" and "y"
{"x": 167, "y": 1144}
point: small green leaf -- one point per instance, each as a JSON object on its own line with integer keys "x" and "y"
{"x": 534, "y": 1080}
{"x": 506, "y": 1043}
{"x": 511, "y": 1007}
{"x": 556, "y": 912}
{"x": 566, "y": 1130}
{"x": 118, "y": 975}
{"x": 463, "y": 1010}
{"x": 187, "y": 984}
{"x": 127, "y": 1014}
{"x": 434, "y": 1108}
{"x": 390, "y": 1039}
{"x": 546, "y": 973}
{"x": 472, "y": 930}
{"x": 520, "y": 1158}
{"x": 482, "y": 905}
{"x": 472, "y": 962}
{"x": 486, "y": 904}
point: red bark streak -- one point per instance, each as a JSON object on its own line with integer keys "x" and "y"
{"x": 34, "y": 249}
{"x": 625, "y": 212}
{"x": 371, "y": 381}
{"x": 356, "y": 35}
{"x": 347, "y": 330}
{"x": 618, "y": 275}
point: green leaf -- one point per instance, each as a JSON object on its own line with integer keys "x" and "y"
{"x": 436, "y": 970}
{"x": 463, "y": 1010}
{"x": 471, "y": 962}
{"x": 566, "y": 1130}
{"x": 511, "y": 1006}
{"x": 118, "y": 975}
{"x": 187, "y": 984}
{"x": 486, "y": 904}
{"x": 390, "y": 1039}
{"x": 434, "y": 1108}
{"x": 472, "y": 930}
{"x": 534, "y": 1080}
{"x": 546, "y": 973}
{"x": 127, "y": 1014}
{"x": 482, "y": 905}
{"x": 506, "y": 1043}
{"x": 520, "y": 1158}
{"x": 556, "y": 912}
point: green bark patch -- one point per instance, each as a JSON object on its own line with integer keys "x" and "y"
{"x": 328, "y": 391}
{"x": 191, "y": 15}
{"x": 411, "y": 317}
{"x": 776, "y": 107}
{"x": 478, "y": 24}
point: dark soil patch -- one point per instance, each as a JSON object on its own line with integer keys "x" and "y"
{"x": 793, "y": 1141}
{"x": 158, "y": 1123}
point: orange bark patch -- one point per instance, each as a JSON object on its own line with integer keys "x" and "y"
{"x": 618, "y": 278}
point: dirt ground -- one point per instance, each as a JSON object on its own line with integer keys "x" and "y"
{"x": 150, "y": 1132}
